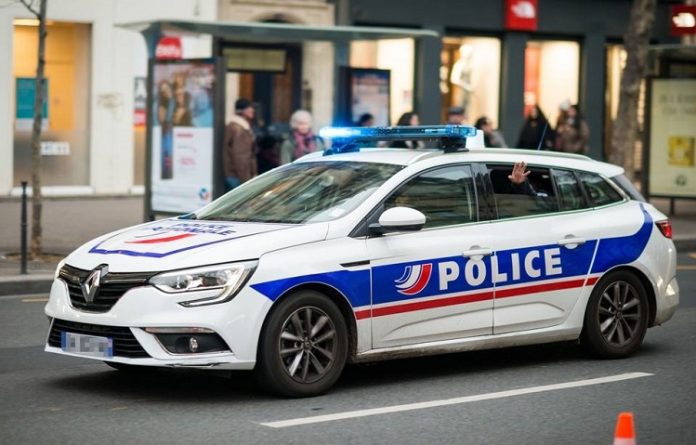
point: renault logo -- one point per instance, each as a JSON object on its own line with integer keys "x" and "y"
{"x": 90, "y": 286}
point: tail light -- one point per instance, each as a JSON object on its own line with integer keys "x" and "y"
{"x": 665, "y": 227}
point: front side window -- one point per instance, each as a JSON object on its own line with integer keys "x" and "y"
{"x": 446, "y": 196}
{"x": 598, "y": 190}
{"x": 301, "y": 193}
{"x": 534, "y": 197}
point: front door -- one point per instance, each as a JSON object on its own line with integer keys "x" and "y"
{"x": 433, "y": 284}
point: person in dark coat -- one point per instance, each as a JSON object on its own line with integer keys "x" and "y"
{"x": 573, "y": 135}
{"x": 239, "y": 150}
{"x": 536, "y": 127}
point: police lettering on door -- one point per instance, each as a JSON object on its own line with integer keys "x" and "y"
{"x": 460, "y": 274}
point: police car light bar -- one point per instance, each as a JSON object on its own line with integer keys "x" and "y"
{"x": 410, "y": 133}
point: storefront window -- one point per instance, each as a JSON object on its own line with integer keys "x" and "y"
{"x": 65, "y": 135}
{"x": 396, "y": 55}
{"x": 616, "y": 62}
{"x": 551, "y": 76}
{"x": 470, "y": 76}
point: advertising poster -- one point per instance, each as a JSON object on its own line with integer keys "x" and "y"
{"x": 369, "y": 92}
{"x": 673, "y": 138}
{"x": 182, "y": 136}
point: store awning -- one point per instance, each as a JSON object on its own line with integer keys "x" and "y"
{"x": 261, "y": 32}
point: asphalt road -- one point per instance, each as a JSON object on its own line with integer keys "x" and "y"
{"x": 528, "y": 395}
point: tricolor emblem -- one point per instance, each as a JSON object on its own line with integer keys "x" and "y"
{"x": 414, "y": 279}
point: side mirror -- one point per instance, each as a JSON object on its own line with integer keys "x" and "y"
{"x": 398, "y": 219}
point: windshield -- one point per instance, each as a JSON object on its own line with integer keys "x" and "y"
{"x": 301, "y": 193}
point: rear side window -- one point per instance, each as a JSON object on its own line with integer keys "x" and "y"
{"x": 599, "y": 191}
{"x": 534, "y": 198}
{"x": 625, "y": 184}
{"x": 570, "y": 195}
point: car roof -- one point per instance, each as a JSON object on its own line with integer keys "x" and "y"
{"x": 407, "y": 157}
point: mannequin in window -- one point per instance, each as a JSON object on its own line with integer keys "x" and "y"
{"x": 460, "y": 75}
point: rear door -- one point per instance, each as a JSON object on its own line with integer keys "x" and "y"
{"x": 424, "y": 288}
{"x": 545, "y": 241}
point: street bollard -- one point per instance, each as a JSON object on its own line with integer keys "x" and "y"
{"x": 23, "y": 249}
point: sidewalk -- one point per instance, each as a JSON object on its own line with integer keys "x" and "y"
{"x": 81, "y": 219}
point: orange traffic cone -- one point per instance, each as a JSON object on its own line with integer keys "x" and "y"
{"x": 625, "y": 431}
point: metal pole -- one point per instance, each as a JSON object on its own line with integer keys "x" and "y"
{"x": 23, "y": 225}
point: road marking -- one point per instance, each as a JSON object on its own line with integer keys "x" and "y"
{"x": 34, "y": 300}
{"x": 454, "y": 401}
{"x": 687, "y": 267}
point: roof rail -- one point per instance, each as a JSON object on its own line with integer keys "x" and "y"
{"x": 345, "y": 139}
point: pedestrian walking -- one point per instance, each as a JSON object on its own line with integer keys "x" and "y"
{"x": 456, "y": 115}
{"x": 491, "y": 137}
{"x": 301, "y": 140}
{"x": 239, "y": 151}
{"x": 573, "y": 135}
{"x": 408, "y": 119}
{"x": 536, "y": 132}
{"x": 366, "y": 120}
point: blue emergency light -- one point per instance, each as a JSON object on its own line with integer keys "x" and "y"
{"x": 410, "y": 133}
{"x": 345, "y": 139}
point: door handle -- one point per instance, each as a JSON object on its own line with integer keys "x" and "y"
{"x": 477, "y": 251}
{"x": 571, "y": 241}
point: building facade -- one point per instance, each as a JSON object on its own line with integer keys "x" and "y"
{"x": 95, "y": 140}
{"x": 494, "y": 67}
{"x": 93, "y": 69}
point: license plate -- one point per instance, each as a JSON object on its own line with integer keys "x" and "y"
{"x": 91, "y": 345}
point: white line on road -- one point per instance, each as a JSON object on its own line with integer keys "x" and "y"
{"x": 454, "y": 401}
{"x": 35, "y": 300}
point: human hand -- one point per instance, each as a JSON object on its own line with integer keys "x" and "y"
{"x": 519, "y": 175}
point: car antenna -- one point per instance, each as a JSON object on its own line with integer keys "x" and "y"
{"x": 543, "y": 133}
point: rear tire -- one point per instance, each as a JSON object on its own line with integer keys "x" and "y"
{"x": 616, "y": 317}
{"x": 303, "y": 346}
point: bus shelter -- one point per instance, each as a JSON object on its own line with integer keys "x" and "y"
{"x": 669, "y": 161}
{"x": 184, "y": 150}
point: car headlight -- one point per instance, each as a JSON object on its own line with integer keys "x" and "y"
{"x": 227, "y": 278}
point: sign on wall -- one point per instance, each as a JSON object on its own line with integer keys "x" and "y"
{"x": 673, "y": 137}
{"x": 521, "y": 15}
{"x": 139, "y": 102}
{"x": 181, "y": 152}
{"x": 25, "y": 93}
{"x": 682, "y": 20}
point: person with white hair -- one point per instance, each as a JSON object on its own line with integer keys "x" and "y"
{"x": 301, "y": 139}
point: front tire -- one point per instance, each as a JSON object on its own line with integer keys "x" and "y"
{"x": 616, "y": 317}
{"x": 303, "y": 346}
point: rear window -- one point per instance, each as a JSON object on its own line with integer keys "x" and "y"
{"x": 625, "y": 184}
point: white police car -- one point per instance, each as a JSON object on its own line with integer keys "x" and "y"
{"x": 375, "y": 253}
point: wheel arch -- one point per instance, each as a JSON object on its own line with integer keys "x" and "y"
{"x": 649, "y": 289}
{"x": 337, "y": 297}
